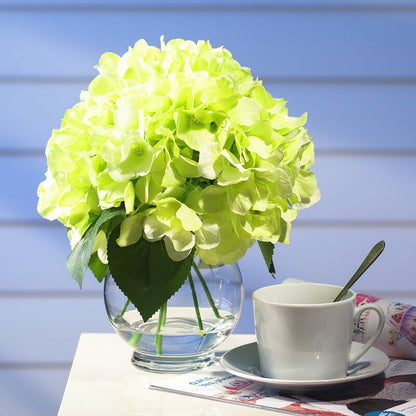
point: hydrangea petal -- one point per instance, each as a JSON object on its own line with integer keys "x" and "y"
{"x": 181, "y": 240}
{"x": 285, "y": 228}
{"x": 59, "y": 160}
{"x": 148, "y": 187}
{"x": 108, "y": 62}
{"x": 100, "y": 246}
{"x": 283, "y": 122}
{"x": 131, "y": 230}
{"x": 263, "y": 195}
{"x": 110, "y": 193}
{"x": 126, "y": 116}
{"x": 189, "y": 219}
{"x": 213, "y": 199}
{"x": 166, "y": 210}
{"x": 241, "y": 197}
{"x": 265, "y": 228}
{"x": 172, "y": 177}
{"x": 308, "y": 156}
{"x": 306, "y": 190}
{"x": 132, "y": 159}
{"x": 232, "y": 249}
{"x": 259, "y": 146}
{"x": 173, "y": 253}
{"x": 153, "y": 229}
{"x": 210, "y": 163}
{"x": 281, "y": 184}
{"x": 186, "y": 167}
{"x": 195, "y": 135}
{"x": 129, "y": 197}
{"x": 193, "y": 199}
{"x": 208, "y": 236}
{"x": 231, "y": 175}
{"x": 186, "y": 137}
{"x": 246, "y": 112}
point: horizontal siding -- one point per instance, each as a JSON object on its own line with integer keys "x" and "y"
{"x": 55, "y": 335}
{"x": 202, "y": 5}
{"x": 21, "y": 102}
{"x": 340, "y": 116}
{"x": 380, "y": 45}
{"x": 350, "y": 116}
{"x": 363, "y": 188}
{"x": 331, "y": 255}
{"x": 37, "y": 262}
{"x": 21, "y": 200}
{"x": 32, "y": 391}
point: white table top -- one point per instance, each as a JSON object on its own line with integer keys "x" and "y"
{"x": 103, "y": 382}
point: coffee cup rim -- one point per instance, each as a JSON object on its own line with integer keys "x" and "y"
{"x": 349, "y": 296}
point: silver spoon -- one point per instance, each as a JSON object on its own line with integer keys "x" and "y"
{"x": 368, "y": 261}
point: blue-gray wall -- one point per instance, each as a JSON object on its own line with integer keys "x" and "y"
{"x": 350, "y": 64}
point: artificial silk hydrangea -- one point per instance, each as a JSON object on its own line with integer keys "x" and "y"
{"x": 194, "y": 149}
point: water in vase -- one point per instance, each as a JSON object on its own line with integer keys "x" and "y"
{"x": 180, "y": 336}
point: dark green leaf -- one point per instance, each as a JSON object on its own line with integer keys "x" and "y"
{"x": 145, "y": 273}
{"x": 98, "y": 268}
{"x": 267, "y": 251}
{"x": 77, "y": 261}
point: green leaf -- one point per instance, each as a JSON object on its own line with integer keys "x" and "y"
{"x": 77, "y": 261}
{"x": 145, "y": 273}
{"x": 267, "y": 251}
{"x": 98, "y": 268}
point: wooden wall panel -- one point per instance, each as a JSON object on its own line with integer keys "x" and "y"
{"x": 201, "y": 5}
{"x": 47, "y": 330}
{"x": 30, "y": 112}
{"x": 282, "y": 45}
{"x": 332, "y": 254}
{"x": 33, "y": 390}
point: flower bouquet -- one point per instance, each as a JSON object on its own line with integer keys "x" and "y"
{"x": 174, "y": 153}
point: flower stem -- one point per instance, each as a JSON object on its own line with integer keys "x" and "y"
{"x": 134, "y": 340}
{"x": 126, "y": 305}
{"x": 196, "y": 306}
{"x": 207, "y": 292}
{"x": 160, "y": 324}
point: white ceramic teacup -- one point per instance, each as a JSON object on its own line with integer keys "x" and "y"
{"x": 303, "y": 335}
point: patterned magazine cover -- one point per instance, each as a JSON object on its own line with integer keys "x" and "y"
{"x": 392, "y": 393}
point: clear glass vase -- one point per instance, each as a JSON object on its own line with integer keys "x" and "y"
{"x": 183, "y": 335}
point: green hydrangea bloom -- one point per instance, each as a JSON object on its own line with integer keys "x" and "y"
{"x": 197, "y": 152}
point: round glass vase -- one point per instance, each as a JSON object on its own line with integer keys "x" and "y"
{"x": 183, "y": 334}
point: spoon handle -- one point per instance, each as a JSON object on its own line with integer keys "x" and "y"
{"x": 368, "y": 261}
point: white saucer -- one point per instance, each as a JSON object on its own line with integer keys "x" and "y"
{"x": 243, "y": 362}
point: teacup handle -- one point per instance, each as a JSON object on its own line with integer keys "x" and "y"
{"x": 354, "y": 356}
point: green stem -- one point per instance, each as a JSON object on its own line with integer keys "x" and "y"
{"x": 134, "y": 340}
{"x": 207, "y": 292}
{"x": 126, "y": 305}
{"x": 196, "y": 306}
{"x": 160, "y": 324}
{"x": 188, "y": 187}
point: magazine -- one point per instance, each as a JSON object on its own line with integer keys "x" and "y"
{"x": 392, "y": 393}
